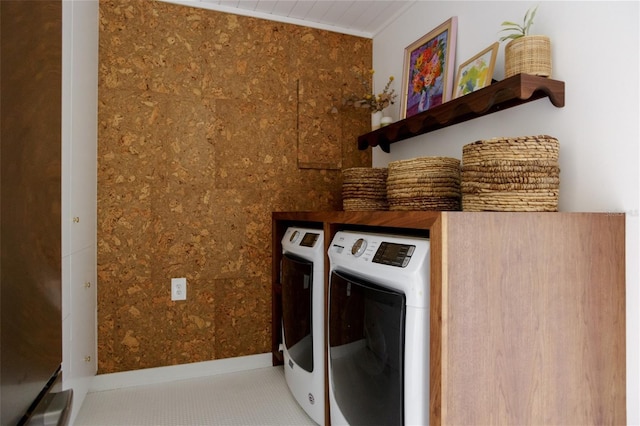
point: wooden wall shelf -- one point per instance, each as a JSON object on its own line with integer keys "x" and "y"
{"x": 510, "y": 92}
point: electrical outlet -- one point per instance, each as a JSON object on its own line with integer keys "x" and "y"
{"x": 178, "y": 289}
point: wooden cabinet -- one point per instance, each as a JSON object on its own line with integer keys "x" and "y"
{"x": 527, "y": 311}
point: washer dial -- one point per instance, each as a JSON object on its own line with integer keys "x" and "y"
{"x": 359, "y": 247}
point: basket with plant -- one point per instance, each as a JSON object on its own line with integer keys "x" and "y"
{"x": 526, "y": 53}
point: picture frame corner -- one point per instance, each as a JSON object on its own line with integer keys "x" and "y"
{"x": 448, "y": 65}
{"x": 491, "y": 52}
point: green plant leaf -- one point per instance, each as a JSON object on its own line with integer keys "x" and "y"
{"x": 528, "y": 19}
{"x": 518, "y": 29}
{"x": 511, "y": 37}
{"x": 531, "y": 13}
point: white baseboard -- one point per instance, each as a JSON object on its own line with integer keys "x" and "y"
{"x": 149, "y": 376}
{"x": 80, "y": 386}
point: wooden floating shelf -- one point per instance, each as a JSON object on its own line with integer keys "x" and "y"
{"x": 510, "y": 92}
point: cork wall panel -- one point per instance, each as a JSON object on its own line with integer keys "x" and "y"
{"x": 319, "y": 136}
{"x": 199, "y": 130}
{"x": 320, "y": 92}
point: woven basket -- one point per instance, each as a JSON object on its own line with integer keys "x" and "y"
{"x": 512, "y": 201}
{"x": 523, "y": 151}
{"x": 511, "y": 174}
{"x": 425, "y": 183}
{"x": 528, "y": 55}
{"x": 364, "y": 188}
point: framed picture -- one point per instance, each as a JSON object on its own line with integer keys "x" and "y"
{"x": 427, "y": 79}
{"x": 477, "y": 72}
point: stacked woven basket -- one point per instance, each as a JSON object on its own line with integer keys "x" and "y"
{"x": 426, "y": 183}
{"x": 364, "y": 188}
{"x": 511, "y": 174}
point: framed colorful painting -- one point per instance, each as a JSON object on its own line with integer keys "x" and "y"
{"x": 477, "y": 72}
{"x": 428, "y": 69}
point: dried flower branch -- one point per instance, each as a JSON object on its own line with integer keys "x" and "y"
{"x": 371, "y": 100}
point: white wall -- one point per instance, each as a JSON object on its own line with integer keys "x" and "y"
{"x": 595, "y": 49}
{"x": 79, "y": 196}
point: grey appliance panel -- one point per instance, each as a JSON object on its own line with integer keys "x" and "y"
{"x": 30, "y": 201}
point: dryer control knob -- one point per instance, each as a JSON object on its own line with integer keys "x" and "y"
{"x": 358, "y": 247}
{"x": 294, "y": 236}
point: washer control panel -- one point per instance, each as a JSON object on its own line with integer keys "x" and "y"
{"x": 301, "y": 237}
{"x": 373, "y": 248}
{"x": 394, "y": 254}
{"x": 309, "y": 239}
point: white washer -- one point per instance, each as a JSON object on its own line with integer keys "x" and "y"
{"x": 378, "y": 329}
{"x": 303, "y": 317}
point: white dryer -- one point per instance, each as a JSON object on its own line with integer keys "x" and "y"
{"x": 378, "y": 329}
{"x": 303, "y": 317}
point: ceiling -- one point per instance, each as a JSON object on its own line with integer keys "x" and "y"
{"x": 364, "y": 18}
